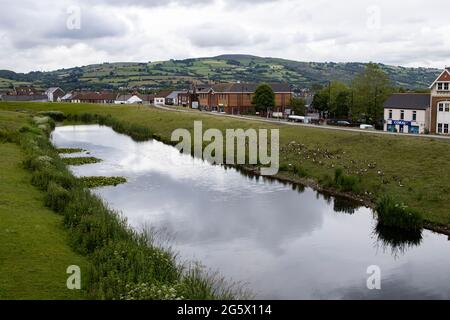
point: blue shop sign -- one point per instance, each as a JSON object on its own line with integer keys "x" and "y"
{"x": 401, "y": 123}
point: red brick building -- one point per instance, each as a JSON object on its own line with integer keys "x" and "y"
{"x": 236, "y": 98}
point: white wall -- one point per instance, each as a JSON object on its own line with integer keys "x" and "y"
{"x": 442, "y": 116}
{"x": 160, "y": 101}
{"x": 421, "y": 121}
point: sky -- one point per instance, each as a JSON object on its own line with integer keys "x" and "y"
{"x": 47, "y": 35}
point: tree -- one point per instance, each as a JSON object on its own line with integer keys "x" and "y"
{"x": 264, "y": 98}
{"x": 298, "y": 106}
{"x": 333, "y": 99}
{"x": 342, "y": 104}
{"x": 371, "y": 89}
{"x": 320, "y": 101}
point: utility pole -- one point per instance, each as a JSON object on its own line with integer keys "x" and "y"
{"x": 376, "y": 101}
{"x": 329, "y": 96}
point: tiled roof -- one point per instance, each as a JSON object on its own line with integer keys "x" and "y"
{"x": 420, "y": 101}
{"x": 92, "y": 96}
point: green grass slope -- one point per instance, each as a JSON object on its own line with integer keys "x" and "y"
{"x": 34, "y": 249}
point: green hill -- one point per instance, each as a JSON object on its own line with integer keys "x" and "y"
{"x": 225, "y": 68}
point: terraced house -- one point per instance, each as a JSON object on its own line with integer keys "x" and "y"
{"x": 236, "y": 98}
{"x": 421, "y": 113}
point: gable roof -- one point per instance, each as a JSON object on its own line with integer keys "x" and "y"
{"x": 444, "y": 76}
{"x": 67, "y": 96}
{"x": 53, "y": 90}
{"x": 419, "y": 101}
{"x": 126, "y": 97}
{"x": 163, "y": 94}
{"x": 174, "y": 94}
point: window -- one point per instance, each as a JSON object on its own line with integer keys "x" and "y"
{"x": 402, "y": 115}
{"x": 390, "y": 114}
{"x": 440, "y": 86}
{"x": 444, "y": 106}
{"x": 446, "y": 128}
{"x": 414, "y": 115}
{"x": 439, "y": 128}
{"x": 446, "y": 86}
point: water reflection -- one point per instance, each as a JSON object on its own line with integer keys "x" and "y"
{"x": 285, "y": 241}
{"x": 396, "y": 240}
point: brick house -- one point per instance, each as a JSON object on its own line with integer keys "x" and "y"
{"x": 421, "y": 113}
{"x": 440, "y": 104}
{"x": 94, "y": 97}
{"x": 236, "y": 98}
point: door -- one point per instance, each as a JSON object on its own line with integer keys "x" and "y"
{"x": 414, "y": 129}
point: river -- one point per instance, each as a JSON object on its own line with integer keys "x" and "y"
{"x": 282, "y": 241}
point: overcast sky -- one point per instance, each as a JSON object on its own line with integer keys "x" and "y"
{"x": 47, "y": 35}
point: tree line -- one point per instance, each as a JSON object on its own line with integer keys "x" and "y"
{"x": 362, "y": 100}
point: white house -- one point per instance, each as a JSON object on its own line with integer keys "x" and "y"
{"x": 54, "y": 94}
{"x": 159, "y": 101}
{"x": 129, "y": 99}
{"x": 407, "y": 113}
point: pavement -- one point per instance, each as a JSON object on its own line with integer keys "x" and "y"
{"x": 319, "y": 127}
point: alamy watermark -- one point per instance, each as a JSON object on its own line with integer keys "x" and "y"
{"x": 73, "y": 21}
{"x": 235, "y": 142}
{"x": 374, "y": 280}
{"x": 74, "y": 279}
{"x": 373, "y": 21}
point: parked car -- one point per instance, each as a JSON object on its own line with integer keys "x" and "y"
{"x": 343, "y": 123}
{"x": 367, "y": 127}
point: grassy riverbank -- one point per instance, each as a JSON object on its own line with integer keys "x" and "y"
{"x": 116, "y": 261}
{"x": 34, "y": 251}
{"x": 411, "y": 170}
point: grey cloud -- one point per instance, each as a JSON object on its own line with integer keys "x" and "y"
{"x": 208, "y": 35}
{"x": 94, "y": 25}
{"x": 149, "y": 3}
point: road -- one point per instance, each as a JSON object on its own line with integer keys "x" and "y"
{"x": 320, "y": 127}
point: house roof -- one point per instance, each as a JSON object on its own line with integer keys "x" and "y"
{"x": 52, "y": 90}
{"x": 94, "y": 96}
{"x": 420, "y": 101}
{"x": 244, "y": 87}
{"x": 126, "y": 97}
{"x": 444, "y": 76}
{"x": 174, "y": 94}
{"x": 163, "y": 94}
{"x": 67, "y": 96}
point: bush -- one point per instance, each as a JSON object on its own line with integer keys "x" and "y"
{"x": 57, "y": 197}
{"x": 346, "y": 183}
{"x": 393, "y": 214}
{"x": 55, "y": 115}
